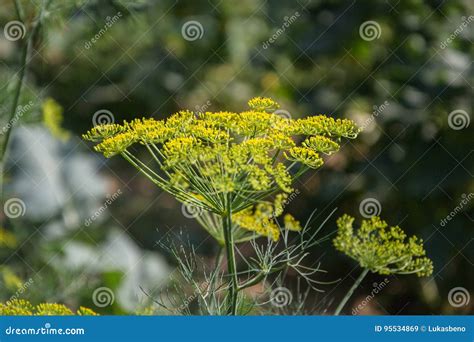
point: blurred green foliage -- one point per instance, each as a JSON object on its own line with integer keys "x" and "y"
{"x": 408, "y": 158}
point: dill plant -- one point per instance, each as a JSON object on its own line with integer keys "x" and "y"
{"x": 237, "y": 168}
{"x": 380, "y": 249}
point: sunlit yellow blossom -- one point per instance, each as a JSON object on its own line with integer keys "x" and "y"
{"x": 305, "y": 156}
{"x": 21, "y": 307}
{"x": 263, "y": 103}
{"x": 382, "y": 249}
{"x": 116, "y": 144}
{"x": 53, "y": 119}
{"x": 291, "y": 223}
{"x": 321, "y": 144}
{"x": 233, "y": 161}
{"x": 7, "y": 239}
{"x": 259, "y": 220}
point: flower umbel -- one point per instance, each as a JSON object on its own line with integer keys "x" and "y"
{"x": 212, "y": 158}
{"x": 382, "y": 249}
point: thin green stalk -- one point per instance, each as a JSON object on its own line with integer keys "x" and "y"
{"x": 231, "y": 264}
{"x": 21, "y": 77}
{"x": 350, "y": 292}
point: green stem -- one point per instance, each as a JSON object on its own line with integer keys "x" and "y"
{"x": 231, "y": 265}
{"x": 350, "y": 292}
{"x": 17, "y": 92}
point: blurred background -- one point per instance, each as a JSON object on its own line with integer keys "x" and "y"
{"x": 75, "y": 224}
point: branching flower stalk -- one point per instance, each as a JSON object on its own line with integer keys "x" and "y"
{"x": 380, "y": 249}
{"x": 237, "y": 169}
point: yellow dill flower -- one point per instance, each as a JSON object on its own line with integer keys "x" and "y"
{"x": 260, "y": 219}
{"x": 16, "y": 307}
{"x": 116, "y": 144}
{"x": 233, "y": 160}
{"x": 282, "y": 177}
{"x": 253, "y": 123}
{"x": 7, "y": 239}
{"x": 10, "y": 279}
{"x": 53, "y": 119}
{"x": 323, "y": 125}
{"x": 279, "y": 203}
{"x": 321, "y": 144}
{"x": 382, "y": 249}
{"x": 101, "y": 132}
{"x": 291, "y": 223}
{"x": 21, "y": 307}
{"x": 52, "y": 309}
{"x": 83, "y": 311}
{"x": 263, "y": 104}
{"x": 305, "y": 156}
{"x": 149, "y": 131}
